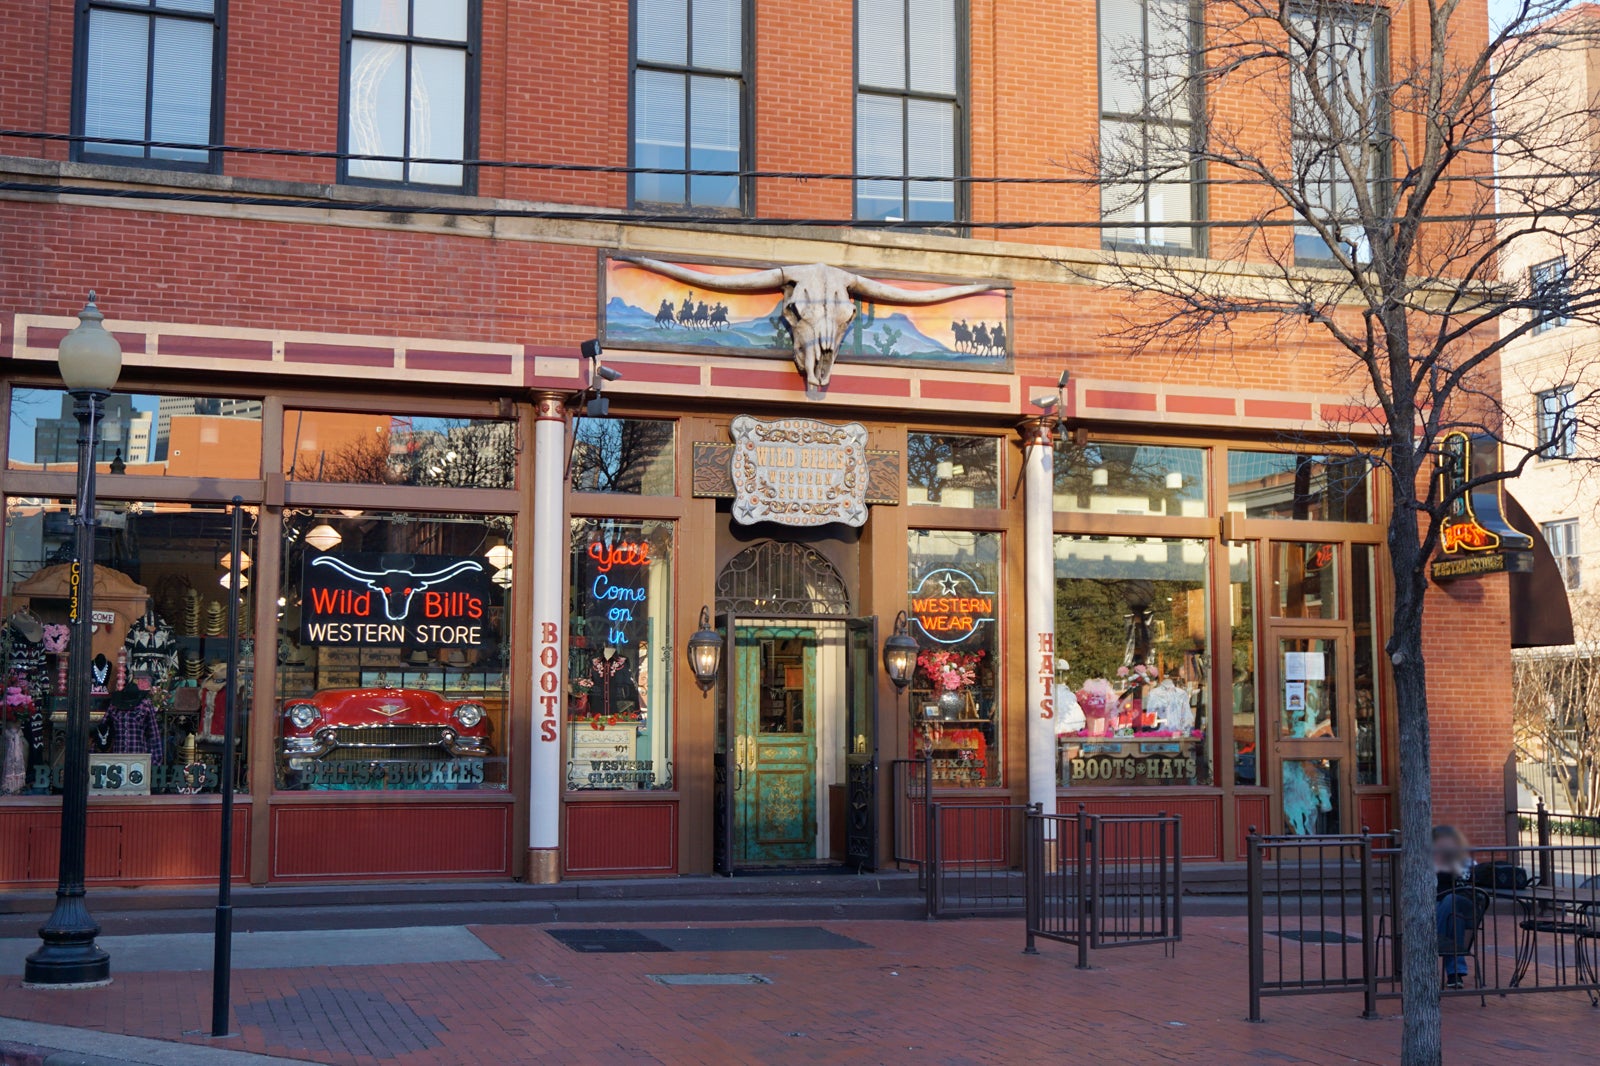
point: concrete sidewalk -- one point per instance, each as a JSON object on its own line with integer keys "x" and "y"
{"x": 34, "y": 1044}
{"x": 956, "y": 993}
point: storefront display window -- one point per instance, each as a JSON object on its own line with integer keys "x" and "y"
{"x": 955, "y": 697}
{"x": 379, "y": 449}
{"x": 1368, "y": 692}
{"x": 619, "y": 656}
{"x": 1130, "y": 479}
{"x": 158, "y": 659}
{"x": 1133, "y": 646}
{"x": 1305, "y": 579}
{"x": 633, "y": 456}
{"x": 393, "y": 648}
{"x": 141, "y": 435}
{"x": 1315, "y": 488}
{"x": 1242, "y": 620}
{"x": 945, "y": 470}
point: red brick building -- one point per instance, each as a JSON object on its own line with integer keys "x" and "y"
{"x": 351, "y": 250}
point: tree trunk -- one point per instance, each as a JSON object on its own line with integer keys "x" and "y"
{"x": 1420, "y": 1043}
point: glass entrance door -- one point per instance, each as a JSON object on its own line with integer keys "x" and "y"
{"x": 1308, "y": 701}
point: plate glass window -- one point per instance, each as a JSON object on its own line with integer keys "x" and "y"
{"x": 1551, "y": 292}
{"x": 1338, "y": 124}
{"x": 409, "y": 72}
{"x": 1130, "y": 479}
{"x": 393, "y": 647}
{"x": 619, "y": 656}
{"x": 1558, "y": 429}
{"x": 945, "y": 470}
{"x": 1133, "y": 630}
{"x": 910, "y": 57}
{"x": 147, "y": 74}
{"x": 1563, "y": 540}
{"x": 1287, "y": 485}
{"x": 158, "y": 657}
{"x": 1146, "y": 125}
{"x": 631, "y": 456}
{"x": 141, "y": 435}
{"x": 954, "y": 696}
{"x": 362, "y": 448}
{"x": 689, "y": 102}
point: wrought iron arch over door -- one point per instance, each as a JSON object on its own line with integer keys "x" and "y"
{"x": 782, "y": 579}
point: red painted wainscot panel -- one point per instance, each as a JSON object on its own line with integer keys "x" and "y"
{"x": 357, "y": 841}
{"x": 1251, "y": 810}
{"x": 1200, "y": 816}
{"x": 968, "y": 830}
{"x": 617, "y": 839}
{"x": 129, "y": 843}
{"x": 1375, "y": 812}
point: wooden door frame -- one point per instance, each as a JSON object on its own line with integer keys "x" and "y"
{"x": 1341, "y": 746}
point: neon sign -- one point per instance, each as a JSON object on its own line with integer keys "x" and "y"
{"x": 373, "y": 599}
{"x": 1475, "y": 538}
{"x": 617, "y": 588}
{"x": 949, "y": 607}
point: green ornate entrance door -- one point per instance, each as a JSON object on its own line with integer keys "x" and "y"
{"x": 774, "y": 723}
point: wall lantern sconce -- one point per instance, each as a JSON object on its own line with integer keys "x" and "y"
{"x": 705, "y": 652}
{"x": 899, "y": 654}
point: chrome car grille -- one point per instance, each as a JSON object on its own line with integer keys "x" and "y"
{"x": 389, "y": 736}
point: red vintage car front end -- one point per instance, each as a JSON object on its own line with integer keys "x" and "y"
{"x": 383, "y": 724}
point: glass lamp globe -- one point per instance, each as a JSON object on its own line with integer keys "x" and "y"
{"x": 90, "y": 358}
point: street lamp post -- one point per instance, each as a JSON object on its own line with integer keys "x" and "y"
{"x": 90, "y": 360}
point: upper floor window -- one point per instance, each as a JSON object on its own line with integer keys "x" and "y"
{"x": 689, "y": 102}
{"x": 1147, "y": 124}
{"x": 910, "y": 59}
{"x": 1558, "y": 428}
{"x": 409, "y": 78}
{"x": 1563, "y": 540}
{"x": 149, "y": 71}
{"x": 1336, "y": 101}
{"x": 1550, "y": 287}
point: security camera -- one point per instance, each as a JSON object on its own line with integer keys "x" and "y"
{"x": 590, "y": 348}
{"x": 609, "y": 373}
{"x": 1066, "y": 376}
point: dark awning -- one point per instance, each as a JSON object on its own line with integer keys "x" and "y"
{"x": 1540, "y": 614}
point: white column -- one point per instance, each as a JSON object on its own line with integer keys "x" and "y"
{"x": 550, "y": 536}
{"x": 1038, "y": 464}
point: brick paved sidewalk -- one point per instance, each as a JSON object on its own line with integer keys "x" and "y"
{"x": 948, "y": 992}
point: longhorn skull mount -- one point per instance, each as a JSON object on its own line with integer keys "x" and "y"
{"x": 818, "y": 303}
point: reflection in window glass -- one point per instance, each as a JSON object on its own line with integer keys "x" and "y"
{"x": 1134, "y": 479}
{"x": 1310, "y": 796}
{"x": 378, "y": 449}
{"x": 626, "y": 455}
{"x": 944, "y": 470}
{"x": 619, "y": 656}
{"x": 1305, "y": 580}
{"x": 140, "y": 435}
{"x": 393, "y": 645}
{"x": 1132, "y": 630}
{"x": 1242, "y": 620}
{"x": 1317, "y": 488}
{"x": 158, "y": 659}
{"x": 1368, "y": 691}
{"x": 954, "y": 697}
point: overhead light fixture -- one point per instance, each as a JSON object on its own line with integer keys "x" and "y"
{"x": 705, "y": 652}
{"x": 226, "y": 581}
{"x": 499, "y": 556}
{"x": 227, "y": 561}
{"x": 502, "y": 577}
{"x": 899, "y": 654}
{"x": 324, "y": 537}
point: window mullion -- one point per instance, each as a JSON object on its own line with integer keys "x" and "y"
{"x": 149, "y": 84}
{"x": 688, "y": 138}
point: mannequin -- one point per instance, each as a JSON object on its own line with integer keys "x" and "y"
{"x": 213, "y": 707}
{"x": 615, "y": 693}
{"x": 135, "y": 724}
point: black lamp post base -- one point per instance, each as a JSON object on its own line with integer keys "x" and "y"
{"x": 67, "y": 966}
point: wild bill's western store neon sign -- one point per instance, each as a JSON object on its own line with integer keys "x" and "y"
{"x": 375, "y": 600}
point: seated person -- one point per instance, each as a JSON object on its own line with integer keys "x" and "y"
{"x": 1456, "y": 910}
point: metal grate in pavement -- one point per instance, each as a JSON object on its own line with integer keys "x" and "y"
{"x": 1317, "y": 936}
{"x": 697, "y": 979}
{"x": 734, "y": 938}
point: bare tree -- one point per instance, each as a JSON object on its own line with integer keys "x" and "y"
{"x": 1556, "y": 719}
{"x": 1363, "y": 194}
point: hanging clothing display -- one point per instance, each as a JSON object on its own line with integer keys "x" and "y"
{"x": 615, "y": 693}
{"x": 152, "y": 649}
{"x": 135, "y": 726}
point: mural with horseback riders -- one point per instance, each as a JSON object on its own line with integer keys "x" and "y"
{"x": 641, "y": 308}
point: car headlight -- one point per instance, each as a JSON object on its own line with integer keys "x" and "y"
{"x": 301, "y": 715}
{"x": 469, "y": 715}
